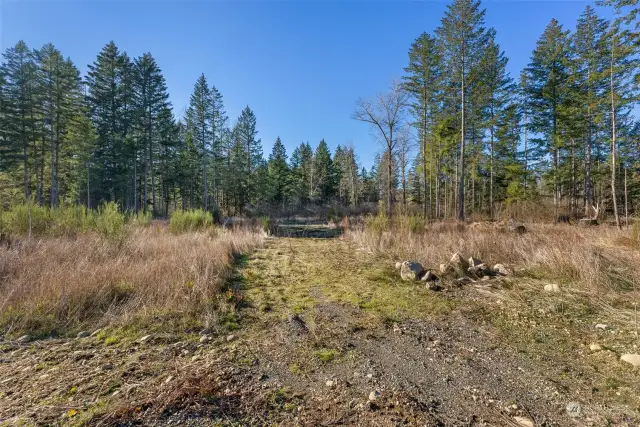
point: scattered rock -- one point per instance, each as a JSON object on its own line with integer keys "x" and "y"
{"x": 107, "y": 367}
{"x": 552, "y": 287}
{"x": 205, "y": 339}
{"x": 429, "y": 276}
{"x": 24, "y": 339}
{"x": 231, "y": 338}
{"x": 433, "y": 286}
{"x": 396, "y": 329}
{"x": 475, "y": 262}
{"x": 398, "y": 265}
{"x": 83, "y": 334}
{"x": 446, "y": 269}
{"x": 331, "y": 383}
{"x": 601, "y": 326}
{"x": 524, "y": 421}
{"x": 574, "y": 409}
{"x": 145, "y": 338}
{"x": 374, "y": 395}
{"x": 96, "y": 332}
{"x": 634, "y": 359}
{"x": 595, "y": 347}
{"x": 410, "y": 270}
{"x": 458, "y": 262}
{"x": 502, "y": 269}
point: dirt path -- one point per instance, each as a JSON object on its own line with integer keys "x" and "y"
{"x": 330, "y": 336}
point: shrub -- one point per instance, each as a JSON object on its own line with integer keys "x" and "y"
{"x": 141, "y": 219}
{"x": 109, "y": 221}
{"x": 378, "y": 223}
{"x": 190, "y": 220}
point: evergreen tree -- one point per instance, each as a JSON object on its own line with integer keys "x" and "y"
{"x": 499, "y": 88}
{"x": 111, "y": 108}
{"x": 278, "y": 174}
{"x": 151, "y": 100}
{"x": 20, "y": 75}
{"x": 302, "y": 166}
{"x": 61, "y": 103}
{"x": 587, "y": 79}
{"x": 423, "y": 83}
{"x": 200, "y": 118}
{"x": 322, "y": 174}
{"x": 547, "y": 78}
{"x": 462, "y": 38}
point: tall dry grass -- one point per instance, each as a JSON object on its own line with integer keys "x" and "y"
{"x": 58, "y": 285}
{"x": 598, "y": 260}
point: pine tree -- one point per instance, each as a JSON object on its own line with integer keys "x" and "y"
{"x": 20, "y": 74}
{"x": 547, "y": 78}
{"x": 111, "y": 108}
{"x": 462, "y": 37}
{"x": 151, "y": 99}
{"x": 200, "y": 123}
{"x": 278, "y": 174}
{"x": 302, "y": 166}
{"x": 61, "y": 97}
{"x": 322, "y": 174}
{"x": 423, "y": 83}
{"x": 498, "y": 87}
{"x": 587, "y": 77}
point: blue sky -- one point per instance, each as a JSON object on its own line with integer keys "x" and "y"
{"x": 300, "y": 65}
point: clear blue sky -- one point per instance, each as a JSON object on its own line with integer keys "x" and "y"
{"x": 300, "y": 65}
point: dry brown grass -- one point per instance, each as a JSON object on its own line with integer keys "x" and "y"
{"x": 55, "y": 286}
{"x": 599, "y": 260}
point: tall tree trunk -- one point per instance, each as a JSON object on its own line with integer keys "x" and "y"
{"x": 461, "y": 177}
{"x": 613, "y": 140}
{"x": 424, "y": 157}
{"x": 491, "y": 172}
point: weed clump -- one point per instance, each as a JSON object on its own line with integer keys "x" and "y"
{"x": 190, "y": 220}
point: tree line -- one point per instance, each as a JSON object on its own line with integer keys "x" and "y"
{"x": 563, "y": 130}
{"x": 459, "y": 134}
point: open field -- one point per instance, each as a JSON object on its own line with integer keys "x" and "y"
{"x": 319, "y": 329}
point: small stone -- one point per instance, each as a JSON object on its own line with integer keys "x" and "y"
{"x": 524, "y": 421}
{"x": 574, "y": 409}
{"x": 96, "y": 332}
{"x": 429, "y": 276}
{"x": 195, "y": 358}
{"x": 474, "y": 262}
{"x": 331, "y": 383}
{"x": 502, "y": 269}
{"x": 231, "y": 338}
{"x": 24, "y": 339}
{"x": 83, "y": 334}
{"x": 369, "y": 376}
{"x": 145, "y": 338}
{"x": 601, "y": 326}
{"x": 633, "y": 359}
{"x": 595, "y": 347}
{"x": 552, "y": 288}
{"x": 205, "y": 339}
{"x": 396, "y": 329}
{"x": 107, "y": 367}
{"x": 398, "y": 265}
{"x": 433, "y": 286}
{"x": 410, "y": 270}
{"x": 374, "y": 395}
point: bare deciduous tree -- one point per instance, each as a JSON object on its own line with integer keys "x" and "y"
{"x": 385, "y": 114}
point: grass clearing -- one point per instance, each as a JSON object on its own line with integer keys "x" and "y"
{"x": 151, "y": 279}
{"x": 292, "y": 275}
